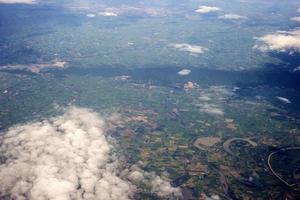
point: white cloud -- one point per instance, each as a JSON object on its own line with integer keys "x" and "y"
{"x": 137, "y": 176}
{"x": 68, "y": 157}
{"x": 232, "y": 16}
{"x": 64, "y": 158}
{"x": 207, "y": 9}
{"x": 163, "y": 188}
{"x": 297, "y": 19}
{"x": 18, "y": 1}
{"x": 193, "y": 49}
{"x": 284, "y": 100}
{"x": 281, "y": 41}
{"x": 213, "y": 197}
{"x": 297, "y": 69}
{"x": 91, "y": 15}
{"x": 184, "y": 72}
{"x": 108, "y": 14}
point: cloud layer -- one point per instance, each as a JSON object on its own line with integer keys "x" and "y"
{"x": 281, "y": 41}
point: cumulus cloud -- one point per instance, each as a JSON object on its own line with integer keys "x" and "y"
{"x": 213, "y": 197}
{"x": 163, "y": 188}
{"x": 232, "y": 16}
{"x": 193, "y": 49}
{"x": 184, "y": 72}
{"x": 160, "y": 185}
{"x": 281, "y": 41}
{"x": 18, "y": 1}
{"x": 207, "y": 9}
{"x": 136, "y": 176}
{"x": 297, "y": 19}
{"x": 68, "y": 157}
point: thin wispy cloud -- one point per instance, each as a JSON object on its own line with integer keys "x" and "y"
{"x": 232, "y": 16}
{"x": 18, "y": 1}
{"x": 91, "y": 15}
{"x": 212, "y": 109}
{"x": 284, "y": 100}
